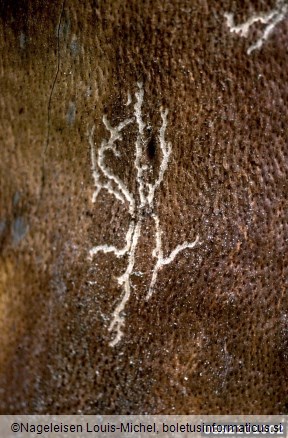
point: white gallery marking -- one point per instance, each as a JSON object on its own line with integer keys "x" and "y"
{"x": 137, "y": 204}
{"x": 270, "y": 19}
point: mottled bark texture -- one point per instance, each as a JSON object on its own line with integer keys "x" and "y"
{"x": 213, "y": 337}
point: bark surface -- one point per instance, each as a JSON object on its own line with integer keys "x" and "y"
{"x": 192, "y": 316}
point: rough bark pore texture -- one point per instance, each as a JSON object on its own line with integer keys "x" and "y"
{"x": 143, "y": 207}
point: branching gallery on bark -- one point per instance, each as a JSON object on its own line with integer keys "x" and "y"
{"x": 137, "y": 203}
{"x": 270, "y": 19}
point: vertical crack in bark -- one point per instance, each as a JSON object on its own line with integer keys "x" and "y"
{"x": 49, "y": 106}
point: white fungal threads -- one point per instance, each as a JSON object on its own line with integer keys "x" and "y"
{"x": 138, "y": 204}
{"x": 271, "y": 19}
{"x": 158, "y": 254}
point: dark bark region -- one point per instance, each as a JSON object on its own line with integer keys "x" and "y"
{"x": 213, "y": 338}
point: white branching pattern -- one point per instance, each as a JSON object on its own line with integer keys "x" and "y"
{"x": 137, "y": 204}
{"x": 158, "y": 254}
{"x": 270, "y": 19}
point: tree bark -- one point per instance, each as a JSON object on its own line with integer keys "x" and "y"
{"x": 103, "y": 99}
